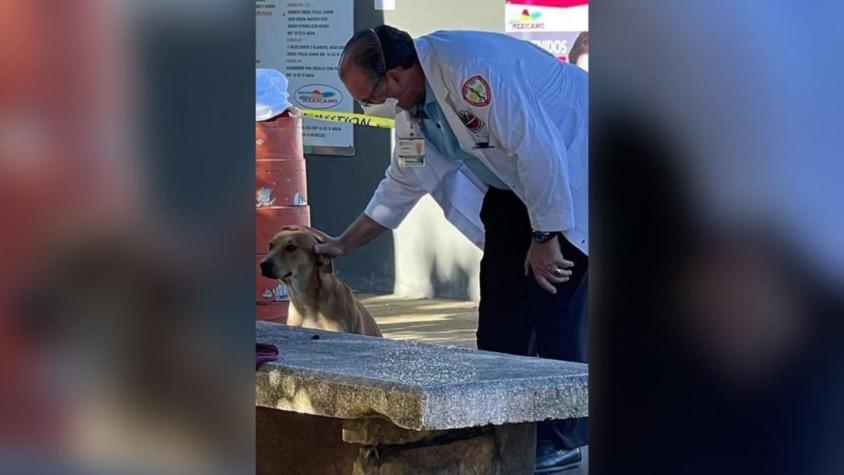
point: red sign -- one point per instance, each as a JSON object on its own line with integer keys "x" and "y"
{"x": 550, "y": 3}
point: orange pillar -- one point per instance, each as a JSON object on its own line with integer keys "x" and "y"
{"x": 280, "y": 200}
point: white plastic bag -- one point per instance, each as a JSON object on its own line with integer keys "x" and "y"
{"x": 270, "y": 94}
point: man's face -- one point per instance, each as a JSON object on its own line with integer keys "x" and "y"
{"x": 363, "y": 87}
{"x": 366, "y": 90}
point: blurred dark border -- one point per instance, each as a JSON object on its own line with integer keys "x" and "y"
{"x": 715, "y": 297}
{"x": 127, "y": 295}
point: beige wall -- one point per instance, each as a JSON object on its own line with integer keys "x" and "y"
{"x": 433, "y": 258}
{"x": 419, "y": 17}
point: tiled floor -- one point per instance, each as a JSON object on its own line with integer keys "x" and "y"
{"x": 437, "y": 321}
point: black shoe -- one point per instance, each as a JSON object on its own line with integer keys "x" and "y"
{"x": 550, "y": 459}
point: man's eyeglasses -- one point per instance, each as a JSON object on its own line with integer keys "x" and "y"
{"x": 367, "y": 101}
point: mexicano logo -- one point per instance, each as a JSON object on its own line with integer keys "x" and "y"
{"x": 318, "y": 96}
{"x": 527, "y": 21}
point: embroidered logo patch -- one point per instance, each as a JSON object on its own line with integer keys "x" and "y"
{"x": 476, "y": 91}
{"x": 471, "y": 121}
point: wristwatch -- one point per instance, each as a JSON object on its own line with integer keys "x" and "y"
{"x": 542, "y": 237}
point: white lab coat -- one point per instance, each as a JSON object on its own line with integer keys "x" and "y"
{"x": 535, "y": 125}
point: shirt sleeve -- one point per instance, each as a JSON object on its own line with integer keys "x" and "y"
{"x": 395, "y": 196}
{"x": 505, "y": 102}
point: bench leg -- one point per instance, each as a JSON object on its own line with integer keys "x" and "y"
{"x": 386, "y": 449}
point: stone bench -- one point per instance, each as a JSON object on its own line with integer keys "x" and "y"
{"x": 340, "y": 403}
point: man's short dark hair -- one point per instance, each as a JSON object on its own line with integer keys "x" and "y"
{"x": 366, "y": 47}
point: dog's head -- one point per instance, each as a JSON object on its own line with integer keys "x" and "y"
{"x": 291, "y": 252}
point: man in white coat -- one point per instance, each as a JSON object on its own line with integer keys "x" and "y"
{"x": 496, "y": 130}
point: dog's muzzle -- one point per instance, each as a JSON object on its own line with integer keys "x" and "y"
{"x": 268, "y": 269}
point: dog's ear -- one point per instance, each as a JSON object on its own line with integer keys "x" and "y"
{"x": 325, "y": 264}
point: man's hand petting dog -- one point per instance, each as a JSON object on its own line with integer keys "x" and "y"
{"x": 331, "y": 247}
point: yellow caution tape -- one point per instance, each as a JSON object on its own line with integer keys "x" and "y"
{"x": 349, "y": 117}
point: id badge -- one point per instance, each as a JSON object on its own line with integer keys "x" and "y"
{"x": 411, "y": 146}
{"x": 411, "y": 152}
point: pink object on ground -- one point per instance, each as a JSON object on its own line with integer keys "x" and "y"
{"x": 264, "y": 352}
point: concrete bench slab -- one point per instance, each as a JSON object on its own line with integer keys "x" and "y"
{"x": 415, "y": 386}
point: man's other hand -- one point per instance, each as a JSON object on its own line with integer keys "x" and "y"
{"x": 548, "y": 265}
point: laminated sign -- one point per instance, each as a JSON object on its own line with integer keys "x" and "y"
{"x": 304, "y": 40}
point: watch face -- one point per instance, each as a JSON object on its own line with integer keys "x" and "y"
{"x": 542, "y": 237}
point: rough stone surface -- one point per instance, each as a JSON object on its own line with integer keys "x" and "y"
{"x": 299, "y": 444}
{"x": 474, "y": 456}
{"x": 491, "y": 450}
{"x": 415, "y": 386}
{"x": 516, "y": 448}
{"x": 377, "y": 431}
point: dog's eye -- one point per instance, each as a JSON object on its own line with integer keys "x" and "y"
{"x": 271, "y": 246}
{"x": 290, "y": 248}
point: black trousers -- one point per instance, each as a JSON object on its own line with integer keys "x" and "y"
{"x": 517, "y": 316}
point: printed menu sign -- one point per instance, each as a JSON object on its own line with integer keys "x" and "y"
{"x": 304, "y": 39}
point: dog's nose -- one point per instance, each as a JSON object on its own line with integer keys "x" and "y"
{"x": 267, "y": 269}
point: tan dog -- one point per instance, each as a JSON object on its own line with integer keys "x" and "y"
{"x": 318, "y": 299}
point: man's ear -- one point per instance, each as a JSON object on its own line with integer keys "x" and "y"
{"x": 325, "y": 264}
{"x": 394, "y": 75}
